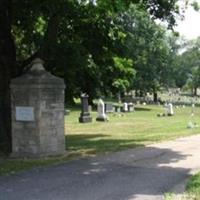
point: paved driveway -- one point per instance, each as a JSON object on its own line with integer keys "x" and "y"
{"x": 143, "y": 174}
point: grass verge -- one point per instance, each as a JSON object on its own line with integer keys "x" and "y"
{"x": 192, "y": 190}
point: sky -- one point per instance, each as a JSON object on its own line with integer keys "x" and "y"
{"x": 190, "y": 27}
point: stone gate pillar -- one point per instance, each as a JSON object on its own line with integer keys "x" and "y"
{"x": 37, "y": 99}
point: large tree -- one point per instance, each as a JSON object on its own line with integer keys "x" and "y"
{"x": 52, "y": 29}
{"x": 146, "y": 44}
{"x": 187, "y": 66}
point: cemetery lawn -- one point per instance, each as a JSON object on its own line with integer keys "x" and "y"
{"x": 132, "y": 130}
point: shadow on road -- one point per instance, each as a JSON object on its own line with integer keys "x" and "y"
{"x": 117, "y": 176}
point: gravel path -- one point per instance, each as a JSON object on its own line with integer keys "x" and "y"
{"x": 141, "y": 174}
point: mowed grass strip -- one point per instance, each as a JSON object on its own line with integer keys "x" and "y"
{"x": 121, "y": 132}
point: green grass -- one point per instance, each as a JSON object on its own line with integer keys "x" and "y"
{"x": 131, "y": 130}
{"x": 193, "y": 186}
{"x": 192, "y": 190}
{"x": 11, "y": 166}
{"x": 185, "y": 196}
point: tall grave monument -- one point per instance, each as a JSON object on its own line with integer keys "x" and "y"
{"x": 37, "y": 113}
{"x": 85, "y": 116}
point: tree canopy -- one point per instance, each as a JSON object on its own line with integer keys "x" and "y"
{"x": 91, "y": 44}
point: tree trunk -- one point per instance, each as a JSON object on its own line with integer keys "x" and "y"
{"x": 195, "y": 91}
{"x": 155, "y": 97}
{"x": 69, "y": 100}
{"x": 7, "y": 68}
{"x": 137, "y": 94}
{"x": 48, "y": 47}
{"x": 141, "y": 93}
{"x": 90, "y": 101}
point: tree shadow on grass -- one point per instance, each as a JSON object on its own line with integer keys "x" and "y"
{"x": 142, "y": 109}
{"x": 98, "y": 143}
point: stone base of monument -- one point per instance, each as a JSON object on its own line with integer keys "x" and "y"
{"x": 29, "y": 155}
{"x": 102, "y": 119}
{"x": 164, "y": 115}
{"x": 85, "y": 118}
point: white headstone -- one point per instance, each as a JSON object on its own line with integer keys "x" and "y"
{"x": 125, "y": 107}
{"x": 170, "y": 110}
{"x": 101, "y": 111}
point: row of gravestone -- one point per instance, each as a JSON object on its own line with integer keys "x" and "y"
{"x": 102, "y": 109}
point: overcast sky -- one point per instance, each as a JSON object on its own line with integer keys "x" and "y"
{"x": 190, "y": 27}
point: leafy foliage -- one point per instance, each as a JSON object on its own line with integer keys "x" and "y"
{"x": 78, "y": 39}
{"x": 81, "y": 41}
{"x": 147, "y": 45}
{"x": 187, "y": 67}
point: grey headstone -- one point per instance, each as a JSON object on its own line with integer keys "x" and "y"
{"x": 85, "y": 116}
{"x": 130, "y": 107}
{"x": 109, "y": 108}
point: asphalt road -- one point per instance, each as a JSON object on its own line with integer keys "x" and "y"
{"x": 143, "y": 174}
